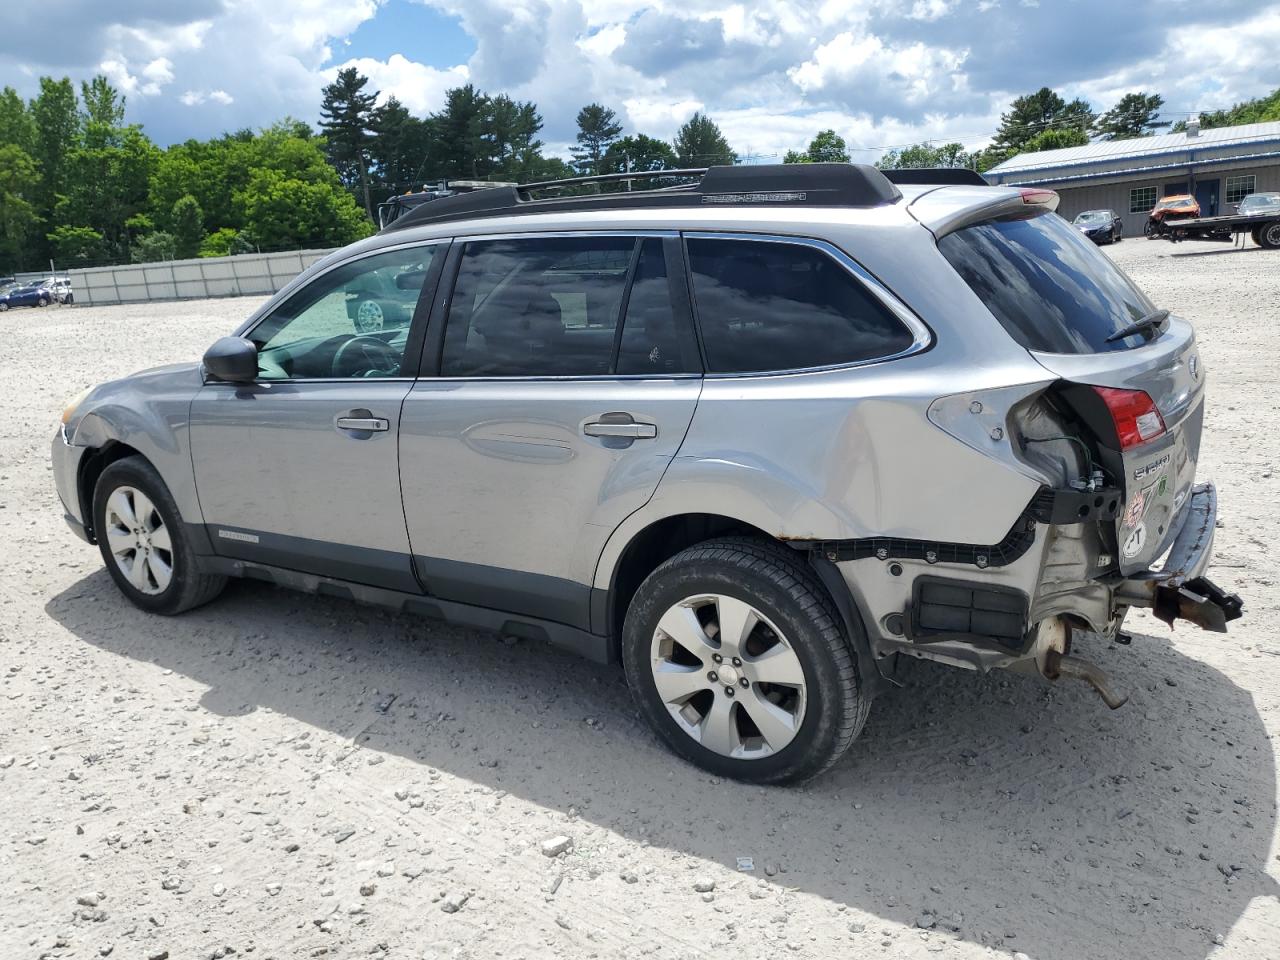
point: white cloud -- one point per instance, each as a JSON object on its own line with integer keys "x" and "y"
{"x": 417, "y": 86}
{"x": 194, "y": 98}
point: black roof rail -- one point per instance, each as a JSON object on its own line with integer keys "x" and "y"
{"x": 800, "y": 184}
{"x": 937, "y": 176}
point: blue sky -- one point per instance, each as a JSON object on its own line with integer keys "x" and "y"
{"x": 882, "y": 73}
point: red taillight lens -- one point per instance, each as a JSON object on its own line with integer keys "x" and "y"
{"x": 1135, "y": 415}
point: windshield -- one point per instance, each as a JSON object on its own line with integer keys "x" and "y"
{"x": 1173, "y": 202}
{"x": 1258, "y": 202}
{"x": 1047, "y": 284}
{"x": 1093, "y": 216}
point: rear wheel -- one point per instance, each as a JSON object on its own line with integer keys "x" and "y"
{"x": 735, "y": 655}
{"x": 1269, "y": 235}
{"x": 370, "y": 317}
{"x": 144, "y": 543}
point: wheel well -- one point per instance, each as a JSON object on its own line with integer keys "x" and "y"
{"x": 659, "y": 542}
{"x": 91, "y": 468}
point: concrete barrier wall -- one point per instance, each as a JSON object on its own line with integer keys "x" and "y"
{"x": 247, "y": 274}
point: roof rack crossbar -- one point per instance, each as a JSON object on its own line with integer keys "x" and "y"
{"x": 612, "y": 178}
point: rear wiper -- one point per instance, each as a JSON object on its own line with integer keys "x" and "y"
{"x": 1152, "y": 321}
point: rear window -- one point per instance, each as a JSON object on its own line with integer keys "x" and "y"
{"x": 1047, "y": 284}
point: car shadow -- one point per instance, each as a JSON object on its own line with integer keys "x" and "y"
{"x": 1027, "y": 817}
{"x": 1225, "y": 248}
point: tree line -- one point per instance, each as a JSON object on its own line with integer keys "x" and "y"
{"x": 79, "y": 184}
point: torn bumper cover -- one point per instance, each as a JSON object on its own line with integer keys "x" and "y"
{"x": 1179, "y": 590}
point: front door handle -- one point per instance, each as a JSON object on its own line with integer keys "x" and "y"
{"x": 370, "y": 424}
{"x": 619, "y": 425}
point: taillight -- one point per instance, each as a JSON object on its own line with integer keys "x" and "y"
{"x": 1135, "y": 415}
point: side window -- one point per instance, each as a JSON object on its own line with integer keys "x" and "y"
{"x": 536, "y": 307}
{"x": 767, "y": 305}
{"x": 654, "y": 341}
{"x": 350, "y": 322}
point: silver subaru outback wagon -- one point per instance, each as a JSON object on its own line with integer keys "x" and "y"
{"x": 755, "y": 435}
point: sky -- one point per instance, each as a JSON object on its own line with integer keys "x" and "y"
{"x": 771, "y": 73}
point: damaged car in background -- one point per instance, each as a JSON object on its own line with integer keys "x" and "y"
{"x": 755, "y": 435}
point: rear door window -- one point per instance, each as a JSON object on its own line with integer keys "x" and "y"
{"x": 766, "y": 305}
{"x": 1050, "y": 287}
{"x": 536, "y": 307}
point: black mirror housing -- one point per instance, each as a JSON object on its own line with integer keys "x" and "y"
{"x": 411, "y": 279}
{"x": 232, "y": 358}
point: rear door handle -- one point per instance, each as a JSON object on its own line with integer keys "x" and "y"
{"x": 371, "y": 424}
{"x": 629, "y": 431}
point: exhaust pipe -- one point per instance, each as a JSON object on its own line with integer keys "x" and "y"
{"x": 1058, "y": 665}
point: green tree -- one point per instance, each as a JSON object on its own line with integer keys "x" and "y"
{"x": 1134, "y": 115}
{"x": 107, "y": 183}
{"x": 155, "y": 247}
{"x": 224, "y": 242}
{"x": 76, "y": 243}
{"x": 598, "y": 128}
{"x": 347, "y": 117}
{"x": 188, "y": 227}
{"x": 1055, "y": 140}
{"x": 17, "y": 126}
{"x": 827, "y": 147}
{"x": 18, "y": 182}
{"x": 1035, "y": 113}
{"x": 282, "y": 212}
{"x": 1258, "y": 110}
{"x": 638, "y": 152}
{"x": 103, "y": 104}
{"x": 57, "y": 131}
{"x": 926, "y": 155}
{"x": 699, "y": 143}
{"x": 458, "y": 134}
{"x": 399, "y": 146}
{"x": 510, "y": 134}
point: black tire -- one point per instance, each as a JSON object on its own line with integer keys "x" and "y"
{"x": 1269, "y": 235}
{"x": 775, "y": 580}
{"x": 1151, "y": 230}
{"x": 188, "y": 587}
{"x": 1115, "y": 234}
{"x": 42, "y": 302}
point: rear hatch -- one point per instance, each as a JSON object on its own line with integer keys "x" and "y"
{"x": 1138, "y": 398}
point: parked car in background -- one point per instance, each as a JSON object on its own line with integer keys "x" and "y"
{"x": 1256, "y": 203}
{"x": 59, "y": 288}
{"x": 1100, "y": 225}
{"x": 1180, "y": 206}
{"x": 26, "y": 295}
{"x": 588, "y": 434}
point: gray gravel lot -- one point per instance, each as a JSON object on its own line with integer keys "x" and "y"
{"x": 277, "y": 775}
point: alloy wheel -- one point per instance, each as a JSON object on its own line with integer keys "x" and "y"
{"x": 139, "y": 540}
{"x": 727, "y": 676}
{"x": 369, "y": 316}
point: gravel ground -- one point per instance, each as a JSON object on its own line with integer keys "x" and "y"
{"x": 284, "y": 776}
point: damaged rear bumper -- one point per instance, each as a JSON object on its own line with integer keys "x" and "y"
{"x": 1179, "y": 590}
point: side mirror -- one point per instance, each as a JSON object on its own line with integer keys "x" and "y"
{"x": 232, "y": 358}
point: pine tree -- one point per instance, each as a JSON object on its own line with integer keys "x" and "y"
{"x": 598, "y": 128}
{"x": 347, "y": 119}
{"x": 699, "y": 143}
{"x": 1035, "y": 113}
{"x": 1133, "y": 116}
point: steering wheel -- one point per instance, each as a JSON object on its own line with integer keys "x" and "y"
{"x": 362, "y": 355}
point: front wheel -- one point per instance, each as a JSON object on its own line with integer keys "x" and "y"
{"x": 1151, "y": 230}
{"x": 369, "y": 317}
{"x": 144, "y": 543}
{"x": 736, "y": 656}
{"x": 42, "y": 302}
{"x": 3, "y": 306}
{"x": 1269, "y": 235}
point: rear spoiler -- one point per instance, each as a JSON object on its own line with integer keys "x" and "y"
{"x": 937, "y": 176}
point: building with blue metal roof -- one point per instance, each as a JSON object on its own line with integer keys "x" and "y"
{"x": 1219, "y": 167}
